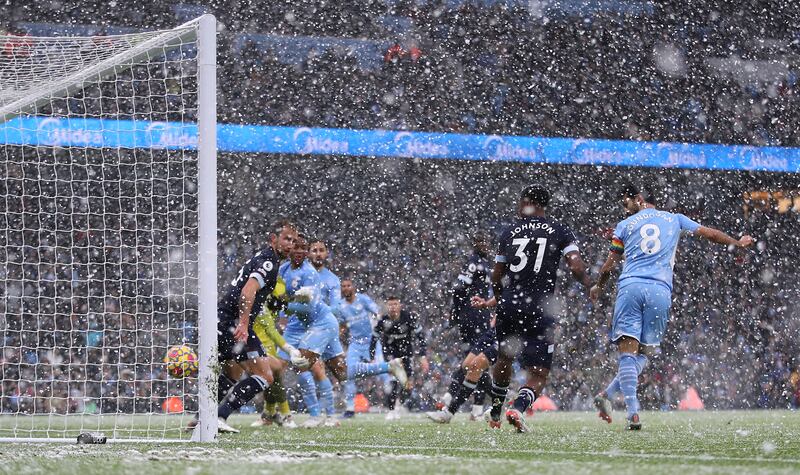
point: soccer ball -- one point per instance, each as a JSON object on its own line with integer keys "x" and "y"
{"x": 181, "y": 362}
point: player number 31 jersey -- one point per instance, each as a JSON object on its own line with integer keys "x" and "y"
{"x": 532, "y": 247}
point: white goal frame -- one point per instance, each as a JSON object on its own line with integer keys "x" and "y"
{"x": 202, "y": 31}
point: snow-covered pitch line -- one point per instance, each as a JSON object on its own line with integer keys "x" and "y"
{"x": 490, "y": 450}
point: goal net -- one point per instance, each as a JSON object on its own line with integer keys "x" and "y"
{"x": 107, "y": 234}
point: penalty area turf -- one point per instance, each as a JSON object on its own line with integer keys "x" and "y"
{"x": 732, "y": 442}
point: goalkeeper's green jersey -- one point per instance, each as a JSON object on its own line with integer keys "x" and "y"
{"x": 264, "y": 324}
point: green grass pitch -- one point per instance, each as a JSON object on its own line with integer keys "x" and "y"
{"x": 752, "y": 442}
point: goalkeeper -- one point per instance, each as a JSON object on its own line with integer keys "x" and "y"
{"x": 267, "y": 331}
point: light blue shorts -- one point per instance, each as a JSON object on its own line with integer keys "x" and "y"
{"x": 358, "y": 353}
{"x": 320, "y": 337}
{"x": 642, "y": 312}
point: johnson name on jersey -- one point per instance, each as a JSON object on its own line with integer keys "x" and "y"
{"x": 532, "y": 247}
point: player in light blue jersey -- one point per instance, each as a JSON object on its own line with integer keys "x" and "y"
{"x": 312, "y": 329}
{"x": 331, "y": 292}
{"x": 331, "y": 287}
{"x": 357, "y": 315}
{"x": 648, "y": 241}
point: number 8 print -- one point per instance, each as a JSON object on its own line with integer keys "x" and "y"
{"x": 650, "y": 243}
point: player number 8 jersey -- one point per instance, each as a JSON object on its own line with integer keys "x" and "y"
{"x": 649, "y": 241}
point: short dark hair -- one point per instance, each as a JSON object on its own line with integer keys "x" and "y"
{"x": 537, "y": 195}
{"x": 630, "y": 190}
{"x": 392, "y": 297}
{"x": 315, "y": 239}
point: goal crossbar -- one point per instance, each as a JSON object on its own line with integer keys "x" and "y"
{"x": 165, "y": 172}
{"x": 110, "y": 66}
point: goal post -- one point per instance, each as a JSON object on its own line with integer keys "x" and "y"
{"x": 207, "y": 157}
{"x": 108, "y": 234}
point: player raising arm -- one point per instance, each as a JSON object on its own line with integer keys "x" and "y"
{"x": 647, "y": 240}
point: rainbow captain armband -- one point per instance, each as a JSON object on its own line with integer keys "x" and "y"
{"x": 616, "y": 245}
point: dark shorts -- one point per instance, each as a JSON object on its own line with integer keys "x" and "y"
{"x": 528, "y": 337}
{"x": 231, "y": 350}
{"x": 486, "y": 344}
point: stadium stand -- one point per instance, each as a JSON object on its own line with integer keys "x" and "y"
{"x": 461, "y": 67}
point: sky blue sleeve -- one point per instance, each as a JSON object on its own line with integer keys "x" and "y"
{"x": 620, "y": 230}
{"x": 370, "y": 305}
{"x": 340, "y": 316}
{"x": 688, "y": 224}
{"x": 335, "y": 296}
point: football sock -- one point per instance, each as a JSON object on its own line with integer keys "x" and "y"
{"x": 455, "y": 381}
{"x": 394, "y": 395}
{"x": 464, "y": 391}
{"x": 269, "y": 401}
{"x": 278, "y": 392}
{"x": 224, "y": 384}
{"x": 524, "y": 399}
{"x": 350, "y": 395}
{"x": 403, "y": 394}
{"x": 241, "y": 394}
{"x": 325, "y": 388}
{"x": 269, "y": 397}
{"x": 484, "y": 386}
{"x": 283, "y": 407}
{"x": 309, "y": 391}
{"x": 613, "y": 388}
{"x": 498, "y": 394}
{"x": 363, "y": 370}
{"x": 641, "y": 363}
{"x": 628, "y": 380}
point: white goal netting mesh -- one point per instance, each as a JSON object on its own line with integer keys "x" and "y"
{"x": 98, "y": 234}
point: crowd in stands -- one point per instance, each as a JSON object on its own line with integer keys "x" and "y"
{"x": 401, "y": 226}
{"x": 496, "y": 70}
{"x": 97, "y": 280}
{"x": 674, "y": 72}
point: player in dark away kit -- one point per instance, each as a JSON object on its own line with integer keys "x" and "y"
{"x": 401, "y": 336}
{"x": 240, "y": 350}
{"x": 477, "y": 334}
{"x": 524, "y": 281}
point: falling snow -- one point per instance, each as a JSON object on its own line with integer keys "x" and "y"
{"x": 98, "y": 269}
